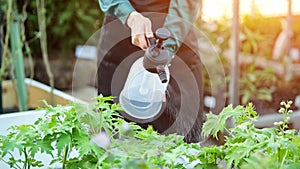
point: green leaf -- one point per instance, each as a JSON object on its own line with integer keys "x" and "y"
{"x": 45, "y": 145}
{"x": 217, "y": 123}
{"x": 237, "y": 152}
{"x": 246, "y": 97}
{"x": 97, "y": 150}
{"x": 84, "y": 146}
{"x": 64, "y": 16}
{"x": 82, "y": 143}
{"x": 63, "y": 141}
{"x": 206, "y": 166}
{"x": 211, "y": 126}
{"x": 293, "y": 166}
{"x": 33, "y": 149}
{"x": 137, "y": 164}
{"x": 9, "y": 146}
{"x": 259, "y": 161}
{"x": 37, "y": 163}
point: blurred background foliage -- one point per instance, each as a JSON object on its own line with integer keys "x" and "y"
{"x": 263, "y": 31}
{"x": 69, "y": 23}
{"x": 260, "y": 81}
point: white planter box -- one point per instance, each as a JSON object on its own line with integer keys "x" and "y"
{"x": 36, "y": 92}
{"x": 20, "y": 118}
{"x": 268, "y": 120}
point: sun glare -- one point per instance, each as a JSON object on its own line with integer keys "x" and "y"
{"x": 213, "y": 9}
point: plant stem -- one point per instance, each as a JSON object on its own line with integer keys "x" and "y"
{"x": 26, "y": 159}
{"x": 40, "y": 4}
{"x": 228, "y": 131}
{"x": 27, "y": 48}
{"x": 101, "y": 120}
{"x": 103, "y": 157}
{"x": 66, "y": 153}
{"x": 17, "y": 166}
{"x": 278, "y": 149}
{"x": 8, "y": 20}
{"x": 283, "y": 158}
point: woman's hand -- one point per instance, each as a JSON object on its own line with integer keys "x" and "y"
{"x": 141, "y": 28}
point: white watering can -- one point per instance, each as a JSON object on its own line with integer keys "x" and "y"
{"x": 144, "y": 91}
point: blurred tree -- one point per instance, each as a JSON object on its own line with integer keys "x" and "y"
{"x": 257, "y": 34}
{"x": 69, "y": 23}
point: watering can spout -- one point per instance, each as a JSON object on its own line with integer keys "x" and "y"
{"x": 162, "y": 73}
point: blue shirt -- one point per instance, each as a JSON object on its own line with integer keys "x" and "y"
{"x": 181, "y": 15}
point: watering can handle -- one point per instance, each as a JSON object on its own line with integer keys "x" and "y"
{"x": 160, "y": 35}
{"x": 151, "y": 41}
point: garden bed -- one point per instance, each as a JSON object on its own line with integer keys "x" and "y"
{"x": 17, "y": 119}
{"x": 36, "y": 92}
{"x": 96, "y": 136}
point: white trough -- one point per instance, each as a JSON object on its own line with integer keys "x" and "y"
{"x": 268, "y": 120}
{"x": 19, "y": 118}
{"x": 36, "y": 92}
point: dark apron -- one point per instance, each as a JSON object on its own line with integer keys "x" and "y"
{"x": 183, "y": 111}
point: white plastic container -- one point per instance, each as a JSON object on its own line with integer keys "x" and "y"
{"x": 143, "y": 93}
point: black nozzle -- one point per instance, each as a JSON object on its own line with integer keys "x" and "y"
{"x": 156, "y": 57}
{"x": 162, "y": 73}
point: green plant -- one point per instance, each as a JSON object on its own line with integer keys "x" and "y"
{"x": 22, "y": 138}
{"x": 77, "y": 19}
{"x": 59, "y": 129}
{"x": 245, "y": 143}
{"x": 255, "y": 42}
{"x": 258, "y": 33}
{"x": 257, "y": 84}
{"x": 96, "y": 136}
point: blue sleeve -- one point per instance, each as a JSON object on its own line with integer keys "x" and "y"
{"x": 117, "y": 8}
{"x": 181, "y": 16}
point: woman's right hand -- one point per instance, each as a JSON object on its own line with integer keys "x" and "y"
{"x": 141, "y": 28}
